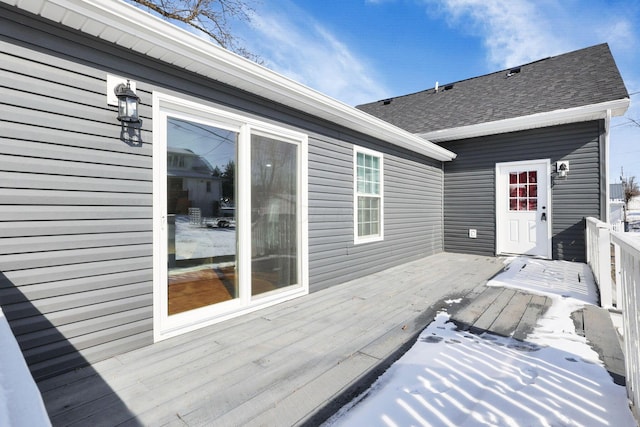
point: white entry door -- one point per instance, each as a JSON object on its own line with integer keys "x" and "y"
{"x": 523, "y": 208}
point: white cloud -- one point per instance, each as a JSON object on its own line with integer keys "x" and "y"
{"x": 514, "y": 32}
{"x": 517, "y": 32}
{"x": 297, "y": 46}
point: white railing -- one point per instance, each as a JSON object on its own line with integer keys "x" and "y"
{"x": 626, "y": 249}
{"x": 20, "y": 400}
{"x": 618, "y": 226}
{"x": 628, "y": 268}
{"x": 599, "y": 257}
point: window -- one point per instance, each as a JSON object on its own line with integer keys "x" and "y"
{"x": 523, "y": 191}
{"x": 368, "y": 203}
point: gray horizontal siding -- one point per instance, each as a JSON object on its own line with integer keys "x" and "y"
{"x": 37, "y": 291}
{"x": 412, "y": 212}
{"x": 469, "y": 200}
{"x": 76, "y": 215}
{"x": 21, "y": 245}
{"x": 75, "y": 220}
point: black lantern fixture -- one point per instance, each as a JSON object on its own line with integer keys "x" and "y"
{"x": 127, "y": 103}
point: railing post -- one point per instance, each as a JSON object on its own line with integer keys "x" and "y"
{"x": 604, "y": 265}
{"x": 598, "y": 245}
{"x": 618, "y": 276}
{"x": 628, "y": 264}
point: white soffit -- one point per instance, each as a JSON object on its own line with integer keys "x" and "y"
{"x": 126, "y": 25}
{"x": 552, "y": 118}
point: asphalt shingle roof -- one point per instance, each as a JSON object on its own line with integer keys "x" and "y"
{"x": 583, "y": 77}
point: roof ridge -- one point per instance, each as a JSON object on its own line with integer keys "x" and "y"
{"x": 433, "y": 89}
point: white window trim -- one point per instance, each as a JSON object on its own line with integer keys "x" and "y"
{"x": 165, "y": 105}
{"x": 367, "y": 239}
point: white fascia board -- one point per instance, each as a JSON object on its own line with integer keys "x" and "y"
{"x": 128, "y": 26}
{"x": 551, "y": 118}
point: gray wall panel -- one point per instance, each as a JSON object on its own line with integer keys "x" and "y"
{"x": 469, "y": 200}
{"x": 67, "y": 176}
{"x": 19, "y": 245}
{"x": 97, "y": 310}
{"x": 412, "y": 212}
{"x": 50, "y": 228}
{"x": 71, "y": 330}
{"x": 62, "y": 212}
{"x": 49, "y": 143}
{"x": 10, "y": 295}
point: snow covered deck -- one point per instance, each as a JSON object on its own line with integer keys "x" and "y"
{"x": 298, "y": 362}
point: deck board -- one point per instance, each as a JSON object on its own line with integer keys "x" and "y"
{"x": 282, "y": 363}
{"x": 296, "y": 363}
{"x": 536, "y": 307}
{"x": 511, "y": 315}
{"x": 493, "y": 311}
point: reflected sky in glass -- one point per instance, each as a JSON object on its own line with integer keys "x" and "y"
{"x": 217, "y": 146}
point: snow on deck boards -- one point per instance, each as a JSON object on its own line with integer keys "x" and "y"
{"x": 463, "y": 373}
{"x": 298, "y": 362}
{"x": 500, "y": 311}
{"x": 282, "y": 365}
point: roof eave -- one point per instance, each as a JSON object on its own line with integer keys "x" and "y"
{"x": 558, "y": 117}
{"x": 127, "y": 26}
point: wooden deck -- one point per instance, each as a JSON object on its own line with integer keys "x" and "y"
{"x": 295, "y": 363}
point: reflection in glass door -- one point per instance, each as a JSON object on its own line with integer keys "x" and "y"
{"x": 274, "y": 214}
{"x": 202, "y": 248}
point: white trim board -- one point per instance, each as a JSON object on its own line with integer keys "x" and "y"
{"x": 551, "y": 118}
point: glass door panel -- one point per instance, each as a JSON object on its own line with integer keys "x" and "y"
{"x": 274, "y": 213}
{"x": 201, "y": 177}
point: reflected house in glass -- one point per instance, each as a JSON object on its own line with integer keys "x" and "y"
{"x": 191, "y": 183}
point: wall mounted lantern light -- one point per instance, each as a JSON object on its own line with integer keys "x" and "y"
{"x": 127, "y": 103}
{"x": 562, "y": 168}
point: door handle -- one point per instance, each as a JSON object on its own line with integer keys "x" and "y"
{"x": 544, "y": 216}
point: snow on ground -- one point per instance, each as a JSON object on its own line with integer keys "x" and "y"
{"x": 634, "y": 221}
{"x": 20, "y": 400}
{"x": 193, "y": 242}
{"x": 453, "y": 378}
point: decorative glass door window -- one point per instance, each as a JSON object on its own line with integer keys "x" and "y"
{"x": 523, "y": 191}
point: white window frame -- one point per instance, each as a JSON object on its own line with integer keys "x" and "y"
{"x": 380, "y": 236}
{"x": 165, "y": 105}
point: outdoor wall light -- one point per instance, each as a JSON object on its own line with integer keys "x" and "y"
{"x": 562, "y": 168}
{"x": 127, "y": 103}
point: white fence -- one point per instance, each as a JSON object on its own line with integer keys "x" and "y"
{"x": 599, "y": 258}
{"x": 601, "y": 243}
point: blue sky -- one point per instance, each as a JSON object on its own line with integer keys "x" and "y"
{"x": 360, "y": 51}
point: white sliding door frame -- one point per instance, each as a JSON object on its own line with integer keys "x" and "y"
{"x": 165, "y": 106}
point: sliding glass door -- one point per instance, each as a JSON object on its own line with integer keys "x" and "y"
{"x": 230, "y": 215}
{"x": 274, "y": 213}
{"x": 201, "y": 233}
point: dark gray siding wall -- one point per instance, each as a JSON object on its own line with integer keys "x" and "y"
{"x": 470, "y": 185}
{"x": 76, "y": 207}
{"x": 412, "y": 213}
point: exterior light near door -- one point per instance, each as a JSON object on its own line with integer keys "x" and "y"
{"x": 127, "y": 103}
{"x": 562, "y": 168}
